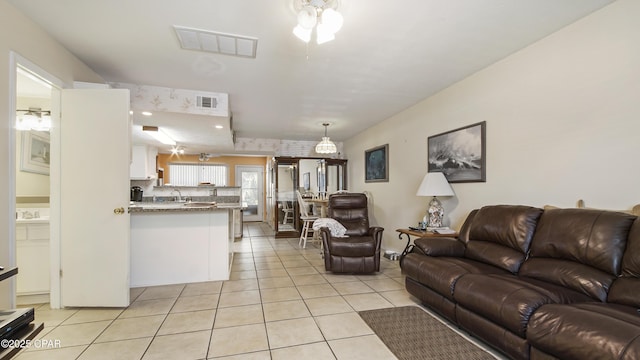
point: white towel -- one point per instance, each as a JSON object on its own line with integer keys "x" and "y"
{"x": 336, "y": 229}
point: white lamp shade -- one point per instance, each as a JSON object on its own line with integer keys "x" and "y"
{"x": 302, "y": 33}
{"x": 308, "y": 17}
{"x": 324, "y": 34}
{"x": 332, "y": 19}
{"x": 43, "y": 124}
{"x": 33, "y": 122}
{"x": 326, "y": 146}
{"x": 435, "y": 184}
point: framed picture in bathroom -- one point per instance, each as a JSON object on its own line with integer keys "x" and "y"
{"x": 35, "y": 154}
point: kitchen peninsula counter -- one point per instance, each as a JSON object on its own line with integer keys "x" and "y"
{"x": 175, "y": 243}
{"x": 179, "y": 207}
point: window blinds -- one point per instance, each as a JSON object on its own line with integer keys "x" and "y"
{"x": 194, "y": 174}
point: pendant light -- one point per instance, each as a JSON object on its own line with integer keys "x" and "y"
{"x": 326, "y": 146}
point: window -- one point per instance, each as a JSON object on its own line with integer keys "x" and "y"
{"x": 194, "y": 174}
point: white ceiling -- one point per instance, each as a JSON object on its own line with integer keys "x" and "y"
{"x": 388, "y": 56}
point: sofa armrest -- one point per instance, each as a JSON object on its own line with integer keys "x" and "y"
{"x": 376, "y": 231}
{"x": 440, "y": 246}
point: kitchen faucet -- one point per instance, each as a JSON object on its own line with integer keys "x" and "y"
{"x": 179, "y": 197}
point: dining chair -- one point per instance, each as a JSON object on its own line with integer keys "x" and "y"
{"x": 287, "y": 209}
{"x": 307, "y": 221}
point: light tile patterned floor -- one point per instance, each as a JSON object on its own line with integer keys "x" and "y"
{"x": 279, "y": 304}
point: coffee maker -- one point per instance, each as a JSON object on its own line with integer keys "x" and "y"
{"x": 136, "y": 193}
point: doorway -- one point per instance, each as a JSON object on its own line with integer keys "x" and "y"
{"x": 251, "y": 180}
{"x": 35, "y": 103}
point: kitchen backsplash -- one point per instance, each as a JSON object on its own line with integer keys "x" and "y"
{"x": 221, "y": 195}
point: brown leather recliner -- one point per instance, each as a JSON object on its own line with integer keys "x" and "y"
{"x": 360, "y": 251}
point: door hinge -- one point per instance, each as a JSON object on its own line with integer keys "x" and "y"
{"x": 60, "y": 272}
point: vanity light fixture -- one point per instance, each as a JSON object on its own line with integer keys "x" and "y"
{"x": 158, "y": 134}
{"x": 33, "y": 119}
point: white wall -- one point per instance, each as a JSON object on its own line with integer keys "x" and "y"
{"x": 25, "y": 38}
{"x": 563, "y": 123}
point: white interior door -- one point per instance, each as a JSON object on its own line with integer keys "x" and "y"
{"x": 94, "y": 221}
{"x": 250, "y": 179}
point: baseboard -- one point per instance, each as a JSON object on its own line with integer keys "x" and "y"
{"x": 32, "y": 299}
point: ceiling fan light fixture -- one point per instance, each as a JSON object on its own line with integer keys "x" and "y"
{"x": 319, "y": 14}
{"x": 332, "y": 19}
{"x": 324, "y": 34}
{"x": 302, "y": 33}
{"x": 308, "y": 17}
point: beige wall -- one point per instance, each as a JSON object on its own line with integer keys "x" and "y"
{"x": 563, "y": 123}
{"x": 20, "y": 35}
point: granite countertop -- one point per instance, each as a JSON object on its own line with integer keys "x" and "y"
{"x": 180, "y": 207}
{"x": 40, "y": 220}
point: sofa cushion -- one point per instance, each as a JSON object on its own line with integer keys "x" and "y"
{"x": 579, "y": 277}
{"x": 440, "y": 246}
{"x": 631, "y": 259}
{"x": 625, "y": 289}
{"x": 586, "y": 331}
{"x": 579, "y": 249}
{"x": 501, "y": 235}
{"x": 350, "y": 209}
{"x": 509, "y": 300}
{"x": 441, "y": 273}
{"x": 593, "y": 237}
{"x": 353, "y": 246}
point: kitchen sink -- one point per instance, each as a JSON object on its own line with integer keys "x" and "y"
{"x": 159, "y": 205}
{"x": 199, "y": 204}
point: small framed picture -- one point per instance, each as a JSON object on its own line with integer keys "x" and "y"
{"x": 36, "y": 152}
{"x": 376, "y": 164}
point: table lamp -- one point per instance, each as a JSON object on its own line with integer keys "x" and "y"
{"x": 435, "y": 184}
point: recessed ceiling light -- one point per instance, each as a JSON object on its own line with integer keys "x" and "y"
{"x": 219, "y": 126}
{"x": 147, "y": 113}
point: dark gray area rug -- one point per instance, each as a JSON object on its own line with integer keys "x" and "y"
{"x": 411, "y": 333}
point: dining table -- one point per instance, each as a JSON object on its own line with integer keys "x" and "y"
{"x": 323, "y": 204}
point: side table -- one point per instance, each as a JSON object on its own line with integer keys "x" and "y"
{"x": 417, "y": 233}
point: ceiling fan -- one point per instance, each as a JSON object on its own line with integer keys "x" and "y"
{"x": 206, "y": 156}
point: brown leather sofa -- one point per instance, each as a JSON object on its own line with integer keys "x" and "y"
{"x": 360, "y": 251}
{"x": 560, "y": 283}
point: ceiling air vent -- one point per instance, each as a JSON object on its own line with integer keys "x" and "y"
{"x": 216, "y": 42}
{"x": 206, "y": 102}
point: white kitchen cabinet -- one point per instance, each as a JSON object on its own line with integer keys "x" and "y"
{"x": 143, "y": 162}
{"x": 176, "y": 247}
{"x": 32, "y": 249}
